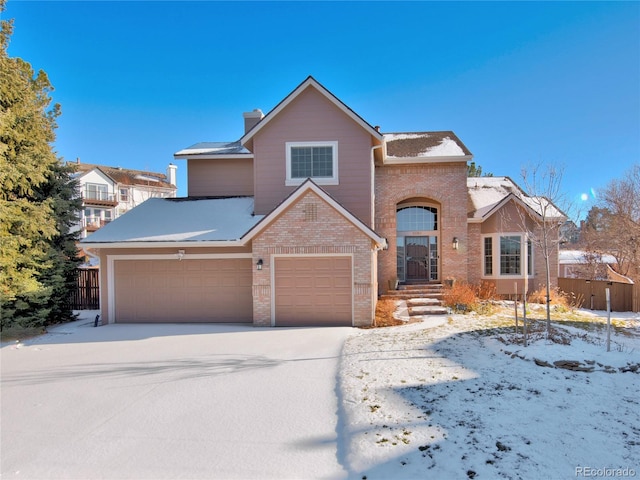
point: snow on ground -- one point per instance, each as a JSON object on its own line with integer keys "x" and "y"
{"x": 456, "y": 398}
{"x": 452, "y": 397}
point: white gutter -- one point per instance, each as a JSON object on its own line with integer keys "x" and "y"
{"x": 211, "y": 156}
{"x": 164, "y": 244}
{"x": 373, "y": 184}
{"x": 418, "y": 160}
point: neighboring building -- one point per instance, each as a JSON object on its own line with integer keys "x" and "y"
{"x": 108, "y": 192}
{"x": 589, "y": 266}
{"x": 308, "y": 217}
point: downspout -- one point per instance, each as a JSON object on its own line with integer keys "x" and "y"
{"x": 374, "y": 253}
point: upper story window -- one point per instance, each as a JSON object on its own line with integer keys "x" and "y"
{"x": 315, "y": 160}
{"x": 96, "y": 191}
{"x": 411, "y": 219}
{"x": 124, "y": 195}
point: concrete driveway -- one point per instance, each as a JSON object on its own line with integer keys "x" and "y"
{"x": 172, "y": 401}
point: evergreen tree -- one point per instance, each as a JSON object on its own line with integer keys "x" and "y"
{"x": 474, "y": 170}
{"x": 62, "y": 189}
{"x": 36, "y": 198}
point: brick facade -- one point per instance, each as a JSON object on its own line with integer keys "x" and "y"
{"x": 313, "y": 227}
{"x": 441, "y": 184}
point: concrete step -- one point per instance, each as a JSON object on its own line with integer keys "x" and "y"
{"x": 427, "y": 310}
{"x": 418, "y": 302}
{"x": 408, "y": 294}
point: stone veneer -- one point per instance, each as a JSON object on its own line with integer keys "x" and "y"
{"x": 313, "y": 227}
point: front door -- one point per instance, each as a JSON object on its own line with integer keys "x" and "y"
{"x": 421, "y": 258}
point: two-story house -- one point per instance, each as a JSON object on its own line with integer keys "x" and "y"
{"x": 108, "y": 192}
{"x": 307, "y": 217}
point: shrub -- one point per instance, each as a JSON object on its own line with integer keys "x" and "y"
{"x": 460, "y": 296}
{"x": 558, "y": 298}
{"x": 486, "y": 291}
{"x": 384, "y": 313}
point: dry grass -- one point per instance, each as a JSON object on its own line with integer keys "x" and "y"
{"x": 463, "y": 297}
{"x": 459, "y": 294}
{"x": 384, "y": 314}
{"x": 562, "y": 301}
{"x": 17, "y": 333}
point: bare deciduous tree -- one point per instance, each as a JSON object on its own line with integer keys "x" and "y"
{"x": 614, "y": 225}
{"x": 543, "y": 186}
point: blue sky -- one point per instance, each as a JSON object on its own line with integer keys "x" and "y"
{"x": 520, "y": 83}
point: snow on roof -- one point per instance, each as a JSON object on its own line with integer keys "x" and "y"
{"x": 181, "y": 220}
{"x": 125, "y": 176}
{"x": 214, "y": 148}
{"x": 424, "y": 144}
{"x": 485, "y": 193}
{"x": 573, "y": 257}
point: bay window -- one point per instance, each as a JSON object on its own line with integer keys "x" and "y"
{"x": 503, "y": 255}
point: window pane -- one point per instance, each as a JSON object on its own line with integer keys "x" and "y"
{"x": 322, "y": 161}
{"x": 417, "y": 219}
{"x": 311, "y": 162}
{"x": 400, "y": 261}
{"x": 488, "y": 256}
{"x": 301, "y": 162}
{"x": 510, "y": 255}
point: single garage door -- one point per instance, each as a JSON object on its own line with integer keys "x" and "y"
{"x": 313, "y": 291}
{"x": 211, "y": 290}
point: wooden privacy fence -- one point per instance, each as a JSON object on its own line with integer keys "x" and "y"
{"x": 625, "y": 297}
{"x": 87, "y": 293}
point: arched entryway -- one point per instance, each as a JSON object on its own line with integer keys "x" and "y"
{"x": 418, "y": 241}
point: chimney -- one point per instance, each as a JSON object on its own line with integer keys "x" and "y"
{"x": 252, "y": 118}
{"x": 171, "y": 174}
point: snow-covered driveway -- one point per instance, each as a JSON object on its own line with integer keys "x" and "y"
{"x": 172, "y": 401}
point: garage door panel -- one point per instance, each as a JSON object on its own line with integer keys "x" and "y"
{"x": 208, "y": 290}
{"x": 313, "y": 291}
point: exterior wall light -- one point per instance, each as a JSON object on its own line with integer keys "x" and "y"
{"x": 259, "y": 264}
{"x": 180, "y": 254}
{"x": 455, "y": 243}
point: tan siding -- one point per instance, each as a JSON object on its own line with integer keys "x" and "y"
{"x": 509, "y": 219}
{"x": 220, "y": 177}
{"x": 311, "y": 117}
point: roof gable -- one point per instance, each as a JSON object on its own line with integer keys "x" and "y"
{"x": 487, "y": 195}
{"x": 310, "y": 82}
{"x": 86, "y": 175}
{"x": 126, "y": 176}
{"x": 310, "y": 186}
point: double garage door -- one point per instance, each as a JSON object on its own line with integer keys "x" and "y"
{"x": 204, "y": 290}
{"x": 307, "y": 291}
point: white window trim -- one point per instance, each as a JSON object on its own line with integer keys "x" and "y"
{"x": 496, "y": 256}
{"x": 292, "y": 182}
